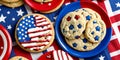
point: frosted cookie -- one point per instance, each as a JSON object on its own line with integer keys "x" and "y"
{"x": 18, "y": 58}
{"x": 88, "y": 13}
{"x": 72, "y": 25}
{"x": 42, "y": 1}
{"x": 95, "y": 30}
{"x": 9, "y": 1}
{"x": 34, "y": 33}
{"x": 56, "y": 55}
{"x": 13, "y": 4}
{"x": 82, "y": 44}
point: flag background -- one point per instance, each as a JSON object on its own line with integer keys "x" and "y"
{"x": 10, "y": 16}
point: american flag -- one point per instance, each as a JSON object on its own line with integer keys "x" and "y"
{"x": 10, "y": 16}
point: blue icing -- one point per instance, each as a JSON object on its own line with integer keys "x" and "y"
{"x": 74, "y": 44}
{"x": 71, "y": 27}
{"x": 85, "y": 40}
{"x": 85, "y": 47}
{"x": 79, "y": 26}
{"x": 96, "y": 38}
{"x": 88, "y": 17}
{"x": 92, "y": 32}
{"x": 77, "y": 37}
{"x": 94, "y": 21}
{"x": 97, "y": 28}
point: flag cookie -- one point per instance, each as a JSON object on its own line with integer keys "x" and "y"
{"x": 34, "y": 33}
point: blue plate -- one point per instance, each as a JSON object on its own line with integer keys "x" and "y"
{"x": 60, "y": 37}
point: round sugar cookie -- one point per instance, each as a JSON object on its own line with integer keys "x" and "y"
{"x": 18, "y": 58}
{"x": 72, "y": 25}
{"x": 82, "y": 44}
{"x": 10, "y": 1}
{"x": 95, "y": 30}
{"x": 12, "y": 5}
{"x": 34, "y": 33}
{"x": 88, "y": 13}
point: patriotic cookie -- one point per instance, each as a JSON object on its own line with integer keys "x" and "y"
{"x": 5, "y": 44}
{"x": 47, "y": 6}
{"x": 18, "y": 58}
{"x": 95, "y": 30}
{"x": 9, "y": 1}
{"x": 72, "y": 25}
{"x": 82, "y": 44}
{"x": 43, "y": 1}
{"x": 34, "y": 33}
{"x": 88, "y": 13}
{"x": 56, "y": 55}
{"x": 12, "y": 4}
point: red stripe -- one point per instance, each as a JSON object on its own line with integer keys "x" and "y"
{"x": 37, "y": 41}
{"x": 41, "y": 35}
{"x": 113, "y": 32}
{"x": 39, "y": 18}
{"x": 35, "y": 46}
{"x": 42, "y": 25}
{"x": 116, "y": 57}
{"x": 58, "y": 55}
{"x": 119, "y": 27}
{"x": 115, "y": 18}
{"x": 113, "y": 45}
{"x": 40, "y": 30}
{"x": 20, "y": 52}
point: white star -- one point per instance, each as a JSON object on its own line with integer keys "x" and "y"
{"x": 2, "y": 18}
{"x": 117, "y": 4}
{"x": 101, "y": 57}
{"x": 8, "y": 12}
{"x": 13, "y": 19}
{"x": 20, "y": 13}
{"x": 9, "y": 27}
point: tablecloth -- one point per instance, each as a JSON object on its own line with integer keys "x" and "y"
{"x": 10, "y": 16}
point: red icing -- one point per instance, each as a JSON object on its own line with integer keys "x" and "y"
{"x": 41, "y": 21}
{"x": 44, "y": 6}
{"x": 40, "y": 30}
{"x": 68, "y": 18}
{"x": 77, "y": 17}
{"x": 42, "y": 35}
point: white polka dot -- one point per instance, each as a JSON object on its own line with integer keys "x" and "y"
{"x": 26, "y": 32}
{"x": 32, "y": 22}
{"x": 32, "y": 19}
{"x": 23, "y": 26}
{"x": 26, "y": 23}
{"x": 29, "y": 25}
{"x": 18, "y": 29}
{"x": 19, "y": 38}
{"x": 28, "y": 16}
{"x": 23, "y": 22}
{"x": 22, "y": 30}
{"x": 29, "y": 21}
{"x": 20, "y": 24}
{"x": 22, "y": 34}
{"x": 26, "y": 20}
{"x": 23, "y": 38}
{"x": 19, "y": 32}
{"x": 8, "y": 12}
{"x": 25, "y": 35}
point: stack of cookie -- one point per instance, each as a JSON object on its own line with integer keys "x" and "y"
{"x": 12, "y": 3}
{"x": 83, "y": 29}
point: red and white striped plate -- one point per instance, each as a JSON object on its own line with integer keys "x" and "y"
{"x": 5, "y": 44}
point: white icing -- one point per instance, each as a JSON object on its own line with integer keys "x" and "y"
{"x": 39, "y": 33}
{"x": 5, "y": 45}
{"x": 59, "y": 54}
{"x": 69, "y": 57}
{"x": 38, "y": 17}
{"x": 38, "y": 20}
{"x": 39, "y": 24}
{"x": 49, "y": 37}
{"x": 64, "y": 55}
{"x": 29, "y": 44}
{"x": 35, "y": 39}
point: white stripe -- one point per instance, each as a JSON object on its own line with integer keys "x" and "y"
{"x": 115, "y": 53}
{"x": 117, "y": 32}
{"x": 35, "y": 56}
{"x": 39, "y": 33}
{"x": 108, "y": 7}
{"x": 64, "y": 55}
{"x": 37, "y": 20}
{"x": 38, "y": 17}
{"x": 38, "y": 24}
{"x": 51, "y": 48}
{"x": 59, "y": 54}
{"x": 69, "y": 57}
{"x": 28, "y": 9}
{"x": 55, "y": 55}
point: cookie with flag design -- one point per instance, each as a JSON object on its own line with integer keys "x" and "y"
{"x": 73, "y": 25}
{"x": 46, "y": 6}
{"x": 5, "y": 44}
{"x": 55, "y": 55}
{"x": 34, "y": 33}
{"x": 18, "y": 58}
